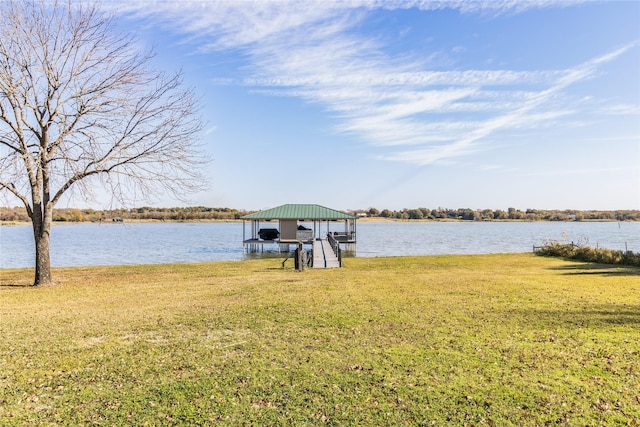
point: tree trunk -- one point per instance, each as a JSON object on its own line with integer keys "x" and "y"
{"x": 42, "y": 233}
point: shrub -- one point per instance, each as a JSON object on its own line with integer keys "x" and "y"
{"x": 589, "y": 254}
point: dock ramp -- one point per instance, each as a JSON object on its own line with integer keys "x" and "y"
{"x": 324, "y": 255}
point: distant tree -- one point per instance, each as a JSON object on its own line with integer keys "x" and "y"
{"x": 373, "y": 212}
{"x": 487, "y": 214}
{"x": 466, "y": 214}
{"x": 515, "y": 213}
{"x": 415, "y": 214}
{"x": 403, "y": 214}
{"x": 81, "y": 107}
{"x": 426, "y": 213}
{"x": 559, "y": 216}
{"x": 500, "y": 214}
{"x": 578, "y": 215}
{"x": 452, "y": 213}
{"x": 628, "y": 215}
{"x": 386, "y": 213}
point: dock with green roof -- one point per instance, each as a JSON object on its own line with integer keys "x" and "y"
{"x": 325, "y": 232}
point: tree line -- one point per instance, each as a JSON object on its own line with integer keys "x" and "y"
{"x": 197, "y": 213}
{"x": 466, "y": 214}
{"x": 201, "y": 213}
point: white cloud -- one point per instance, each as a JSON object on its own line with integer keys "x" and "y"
{"x": 390, "y": 78}
{"x": 309, "y": 50}
{"x": 622, "y": 110}
{"x": 566, "y": 172}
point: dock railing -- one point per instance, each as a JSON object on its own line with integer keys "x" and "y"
{"x": 335, "y": 246}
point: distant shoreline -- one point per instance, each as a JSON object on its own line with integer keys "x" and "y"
{"x": 208, "y": 214}
{"x": 376, "y": 219}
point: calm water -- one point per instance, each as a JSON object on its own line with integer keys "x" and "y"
{"x": 150, "y": 243}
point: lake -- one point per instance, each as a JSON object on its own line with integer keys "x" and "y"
{"x": 86, "y": 244}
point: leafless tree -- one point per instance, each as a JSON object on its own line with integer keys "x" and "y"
{"x": 81, "y": 108}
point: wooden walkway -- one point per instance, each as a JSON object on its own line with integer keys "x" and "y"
{"x": 323, "y": 255}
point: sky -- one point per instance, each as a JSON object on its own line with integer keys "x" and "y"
{"x": 406, "y": 104}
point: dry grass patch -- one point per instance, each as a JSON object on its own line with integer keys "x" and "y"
{"x": 494, "y": 339}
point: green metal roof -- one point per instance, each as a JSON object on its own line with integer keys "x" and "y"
{"x": 300, "y": 212}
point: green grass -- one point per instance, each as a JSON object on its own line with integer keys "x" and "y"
{"x": 444, "y": 340}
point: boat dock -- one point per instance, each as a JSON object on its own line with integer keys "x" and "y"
{"x": 326, "y": 230}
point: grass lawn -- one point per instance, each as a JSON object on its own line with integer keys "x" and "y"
{"x": 508, "y": 339}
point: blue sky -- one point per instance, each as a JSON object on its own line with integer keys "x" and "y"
{"x": 404, "y": 104}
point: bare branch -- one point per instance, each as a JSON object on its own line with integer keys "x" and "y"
{"x": 83, "y": 95}
{"x": 80, "y": 106}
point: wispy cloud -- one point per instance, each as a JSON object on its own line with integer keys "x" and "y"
{"x": 309, "y": 50}
{"x": 567, "y": 172}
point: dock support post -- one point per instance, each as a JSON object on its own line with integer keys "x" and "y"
{"x": 300, "y": 257}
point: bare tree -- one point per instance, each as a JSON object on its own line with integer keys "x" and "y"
{"x": 81, "y": 108}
